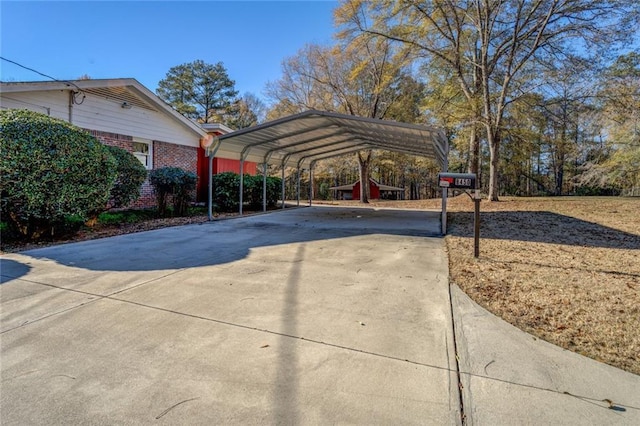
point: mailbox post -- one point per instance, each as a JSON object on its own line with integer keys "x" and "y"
{"x": 464, "y": 181}
{"x": 476, "y": 224}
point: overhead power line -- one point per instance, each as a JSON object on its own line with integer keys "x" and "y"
{"x": 42, "y": 74}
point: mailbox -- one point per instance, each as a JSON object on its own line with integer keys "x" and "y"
{"x": 457, "y": 180}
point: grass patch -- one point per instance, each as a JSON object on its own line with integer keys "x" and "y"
{"x": 126, "y": 216}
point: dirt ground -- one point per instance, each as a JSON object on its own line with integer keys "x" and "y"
{"x": 565, "y": 269}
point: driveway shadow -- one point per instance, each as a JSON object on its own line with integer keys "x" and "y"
{"x": 11, "y": 270}
{"x": 226, "y": 241}
{"x": 542, "y": 227}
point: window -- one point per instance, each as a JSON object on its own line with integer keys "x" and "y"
{"x": 142, "y": 151}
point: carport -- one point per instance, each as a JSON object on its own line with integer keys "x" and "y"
{"x": 303, "y": 139}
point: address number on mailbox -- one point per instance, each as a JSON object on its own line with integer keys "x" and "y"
{"x": 457, "y": 180}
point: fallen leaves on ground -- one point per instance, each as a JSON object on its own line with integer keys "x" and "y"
{"x": 564, "y": 269}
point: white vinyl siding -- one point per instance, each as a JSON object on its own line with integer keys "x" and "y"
{"x": 53, "y": 103}
{"x": 105, "y": 115}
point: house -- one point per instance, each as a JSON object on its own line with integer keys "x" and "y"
{"x": 376, "y": 191}
{"x": 220, "y": 164}
{"x": 124, "y": 113}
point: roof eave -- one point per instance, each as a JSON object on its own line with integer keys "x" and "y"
{"x": 130, "y": 83}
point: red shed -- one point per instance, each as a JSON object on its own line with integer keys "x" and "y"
{"x": 376, "y": 191}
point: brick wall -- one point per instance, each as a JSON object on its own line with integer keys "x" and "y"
{"x": 114, "y": 139}
{"x": 164, "y": 155}
{"x": 172, "y": 155}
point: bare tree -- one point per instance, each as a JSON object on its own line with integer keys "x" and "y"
{"x": 360, "y": 78}
{"x": 489, "y": 44}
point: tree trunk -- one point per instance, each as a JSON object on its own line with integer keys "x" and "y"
{"x": 559, "y": 180}
{"x": 474, "y": 154}
{"x": 474, "y": 140}
{"x": 363, "y": 162}
{"x": 493, "y": 137}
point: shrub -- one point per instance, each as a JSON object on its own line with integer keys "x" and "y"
{"x": 226, "y": 189}
{"x": 323, "y": 192}
{"x": 252, "y": 191}
{"x": 274, "y": 190}
{"x": 50, "y": 171}
{"x": 590, "y": 191}
{"x": 130, "y": 177}
{"x": 174, "y": 183}
{"x": 68, "y": 226}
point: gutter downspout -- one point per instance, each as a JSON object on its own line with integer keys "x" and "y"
{"x": 70, "y": 107}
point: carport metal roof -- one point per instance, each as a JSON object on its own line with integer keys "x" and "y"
{"x": 315, "y": 135}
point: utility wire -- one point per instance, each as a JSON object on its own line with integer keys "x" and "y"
{"x": 42, "y": 74}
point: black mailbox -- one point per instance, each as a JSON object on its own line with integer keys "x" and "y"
{"x": 457, "y": 180}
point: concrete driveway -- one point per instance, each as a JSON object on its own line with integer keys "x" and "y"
{"x": 320, "y": 315}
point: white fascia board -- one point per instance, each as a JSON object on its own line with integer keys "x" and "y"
{"x": 130, "y": 83}
{"x": 212, "y": 127}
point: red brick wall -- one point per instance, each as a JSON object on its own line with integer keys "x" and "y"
{"x": 164, "y": 155}
{"x": 114, "y": 139}
{"x": 172, "y": 155}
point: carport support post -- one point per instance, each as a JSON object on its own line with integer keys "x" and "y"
{"x": 298, "y": 188}
{"x": 264, "y": 187}
{"x": 311, "y": 166}
{"x": 211, "y": 154}
{"x": 284, "y": 164}
{"x": 241, "y": 183}
{"x": 264, "y": 182}
{"x": 243, "y": 156}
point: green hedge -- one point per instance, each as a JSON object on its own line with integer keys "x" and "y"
{"x": 130, "y": 177}
{"x": 226, "y": 191}
{"x": 51, "y": 173}
{"x": 174, "y": 183}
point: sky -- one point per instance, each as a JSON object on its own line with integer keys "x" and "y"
{"x": 144, "y": 39}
